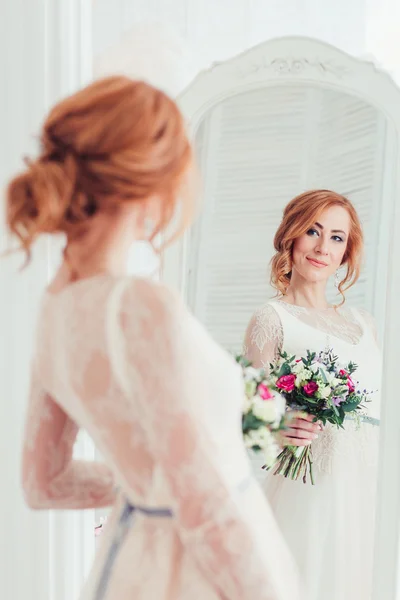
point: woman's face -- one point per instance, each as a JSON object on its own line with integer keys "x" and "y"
{"x": 319, "y": 252}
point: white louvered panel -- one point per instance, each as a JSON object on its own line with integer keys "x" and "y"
{"x": 349, "y": 161}
{"x": 242, "y": 171}
{"x": 256, "y": 152}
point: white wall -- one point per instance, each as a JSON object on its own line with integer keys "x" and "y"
{"x": 42, "y": 57}
{"x": 215, "y": 30}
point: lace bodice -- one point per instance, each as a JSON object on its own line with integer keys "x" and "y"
{"x": 265, "y": 333}
{"x": 126, "y": 361}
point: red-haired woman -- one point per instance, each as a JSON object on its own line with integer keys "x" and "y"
{"x": 329, "y": 526}
{"x": 122, "y": 358}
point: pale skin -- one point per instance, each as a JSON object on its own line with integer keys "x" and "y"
{"x": 316, "y": 256}
{"x": 106, "y": 246}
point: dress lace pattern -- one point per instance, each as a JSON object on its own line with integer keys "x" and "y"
{"x": 124, "y": 360}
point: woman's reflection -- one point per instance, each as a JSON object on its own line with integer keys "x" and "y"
{"x": 329, "y": 526}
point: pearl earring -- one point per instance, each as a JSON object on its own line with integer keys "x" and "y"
{"x": 337, "y": 279}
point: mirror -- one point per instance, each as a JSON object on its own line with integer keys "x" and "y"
{"x": 256, "y": 151}
{"x": 291, "y": 115}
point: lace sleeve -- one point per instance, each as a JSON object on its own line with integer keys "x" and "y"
{"x": 179, "y": 378}
{"x": 264, "y": 337}
{"x": 51, "y": 478}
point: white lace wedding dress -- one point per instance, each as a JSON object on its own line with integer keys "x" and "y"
{"x": 329, "y": 526}
{"x": 125, "y": 360}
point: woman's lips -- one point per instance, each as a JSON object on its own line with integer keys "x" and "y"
{"x": 317, "y": 263}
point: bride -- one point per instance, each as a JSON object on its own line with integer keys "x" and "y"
{"x": 122, "y": 358}
{"x": 329, "y": 526}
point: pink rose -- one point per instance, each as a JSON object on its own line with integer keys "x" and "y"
{"x": 310, "y": 388}
{"x": 286, "y": 383}
{"x": 351, "y": 385}
{"x": 343, "y": 373}
{"x": 264, "y": 392}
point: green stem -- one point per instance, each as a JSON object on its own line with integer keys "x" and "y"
{"x": 310, "y": 463}
{"x": 300, "y": 465}
{"x": 294, "y": 462}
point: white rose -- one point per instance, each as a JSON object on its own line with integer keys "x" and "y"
{"x": 324, "y": 392}
{"x": 298, "y": 367}
{"x": 264, "y": 410}
{"x": 251, "y": 373}
{"x": 250, "y": 388}
{"x": 246, "y": 405}
{"x": 271, "y": 451}
{"x": 264, "y": 439}
{"x": 261, "y": 437}
{"x": 330, "y": 377}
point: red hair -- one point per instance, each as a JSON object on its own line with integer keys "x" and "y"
{"x": 115, "y": 141}
{"x": 299, "y": 215}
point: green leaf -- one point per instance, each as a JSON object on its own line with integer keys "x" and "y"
{"x": 335, "y": 410}
{"x": 284, "y": 370}
{"x": 250, "y": 422}
{"x": 323, "y": 376}
{"x": 350, "y": 406}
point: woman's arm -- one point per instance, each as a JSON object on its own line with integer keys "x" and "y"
{"x": 51, "y": 478}
{"x": 263, "y": 341}
{"x": 264, "y": 337}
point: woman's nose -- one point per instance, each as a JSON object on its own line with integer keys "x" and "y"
{"x": 322, "y": 247}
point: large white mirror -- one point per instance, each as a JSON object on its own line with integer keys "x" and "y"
{"x": 257, "y": 150}
{"x": 288, "y": 116}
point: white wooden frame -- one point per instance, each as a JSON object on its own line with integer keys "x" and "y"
{"x": 296, "y": 59}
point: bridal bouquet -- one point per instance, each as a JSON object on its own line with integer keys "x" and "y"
{"x": 317, "y": 385}
{"x": 263, "y": 412}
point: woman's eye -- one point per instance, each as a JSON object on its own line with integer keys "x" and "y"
{"x": 311, "y": 232}
{"x": 337, "y": 238}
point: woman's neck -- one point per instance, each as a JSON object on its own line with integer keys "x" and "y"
{"x": 307, "y": 296}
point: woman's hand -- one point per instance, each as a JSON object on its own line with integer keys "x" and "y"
{"x": 301, "y": 431}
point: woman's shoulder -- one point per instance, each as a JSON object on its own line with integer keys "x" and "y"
{"x": 152, "y": 290}
{"x": 365, "y": 314}
{"x": 367, "y": 318}
{"x": 267, "y": 314}
{"x": 147, "y": 300}
{"x": 154, "y": 309}
{"x": 155, "y": 316}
